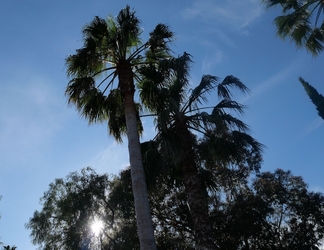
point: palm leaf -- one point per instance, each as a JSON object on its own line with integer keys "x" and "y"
{"x": 231, "y": 105}
{"x": 199, "y": 94}
{"x": 299, "y": 22}
{"x": 233, "y": 82}
{"x": 158, "y": 42}
{"x": 92, "y": 106}
{"x": 315, "y": 41}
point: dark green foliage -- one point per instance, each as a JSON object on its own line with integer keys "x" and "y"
{"x": 302, "y": 22}
{"x": 273, "y": 211}
{"x": 181, "y": 122}
{"x": 315, "y": 97}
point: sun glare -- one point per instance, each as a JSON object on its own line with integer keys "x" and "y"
{"x": 96, "y": 227}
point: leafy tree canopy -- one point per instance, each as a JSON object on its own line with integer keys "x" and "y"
{"x": 274, "y": 211}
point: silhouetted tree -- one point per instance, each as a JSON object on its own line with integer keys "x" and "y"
{"x": 179, "y": 115}
{"x": 112, "y": 49}
{"x": 315, "y": 97}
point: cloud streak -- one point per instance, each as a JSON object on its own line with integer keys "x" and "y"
{"x": 279, "y": 78}
{"x": 235, "y": 14}
{"x": 318, "y": 122}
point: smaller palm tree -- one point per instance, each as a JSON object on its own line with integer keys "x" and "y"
{"x": 180, "y": 120}
{"x": 302, "y": 21}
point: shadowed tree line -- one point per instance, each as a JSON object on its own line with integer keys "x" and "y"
{"x": 271, "y": 211}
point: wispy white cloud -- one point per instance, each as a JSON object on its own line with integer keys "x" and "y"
{"x": 278, "y": 78}
{"x": 234, "y": 14}
{"x": 211, "y": 60}
{"x": 30, "y": 113}
{"x": 112, "y": 159}
{"x": 312, "y": 126}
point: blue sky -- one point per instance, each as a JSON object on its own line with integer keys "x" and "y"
{"x": 42, "y": 138}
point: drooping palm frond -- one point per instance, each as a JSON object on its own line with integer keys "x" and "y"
{"x": 199, "y": 94}
{"x": 230, "y": 105}
{"x": 230, "y": 82}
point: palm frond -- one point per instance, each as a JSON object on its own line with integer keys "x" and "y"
{"x": 85, "y": 62}
{"x": 244, "y": 140}
{"x": 230, "y": 105}
{"x": 270, "y": 3}
{"x": 77, "y": 88}
{"x": 129, "y": 30}
{"x": 299, "y": 22}
{"x": 199, "y": 94}
{"x": 97, "y": 29}
{"x": 233, "y": 82}
{"x": 224, "y": 120}
{"x": 116, "y": 114}
{"x": 158, "y": 42}
{"x": 92, "y": 106}
{"x": 315, "y": 41}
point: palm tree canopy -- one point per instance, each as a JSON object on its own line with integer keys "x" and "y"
{"x": 302, "y": 21}
{"x": 109, "y": 46}
{"x": 176, "y": 104}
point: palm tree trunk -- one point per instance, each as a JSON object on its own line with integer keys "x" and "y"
{"x": 196, "y": 195}
{"x": 142, "y": 207}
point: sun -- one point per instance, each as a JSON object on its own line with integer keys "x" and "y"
{"x": 96, "y": 227}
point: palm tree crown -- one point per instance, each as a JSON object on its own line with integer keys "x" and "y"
{"x": 112, "y": 48}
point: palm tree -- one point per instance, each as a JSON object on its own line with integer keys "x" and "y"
{"x": 302, "y": 22}
{"x": 179, "y": 118}
{"x": 112, "y": 50}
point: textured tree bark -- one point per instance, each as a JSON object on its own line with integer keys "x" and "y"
{"x": 196, "y": 195}
{"x": 142, "y": 207}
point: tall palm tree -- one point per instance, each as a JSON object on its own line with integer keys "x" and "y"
{"x": 302, "y": 21}
{"x": 113, "y": 50}
{"x": 179, "y": 120}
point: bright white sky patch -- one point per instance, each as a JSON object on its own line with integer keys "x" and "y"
{"x": 96, "y": 227}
